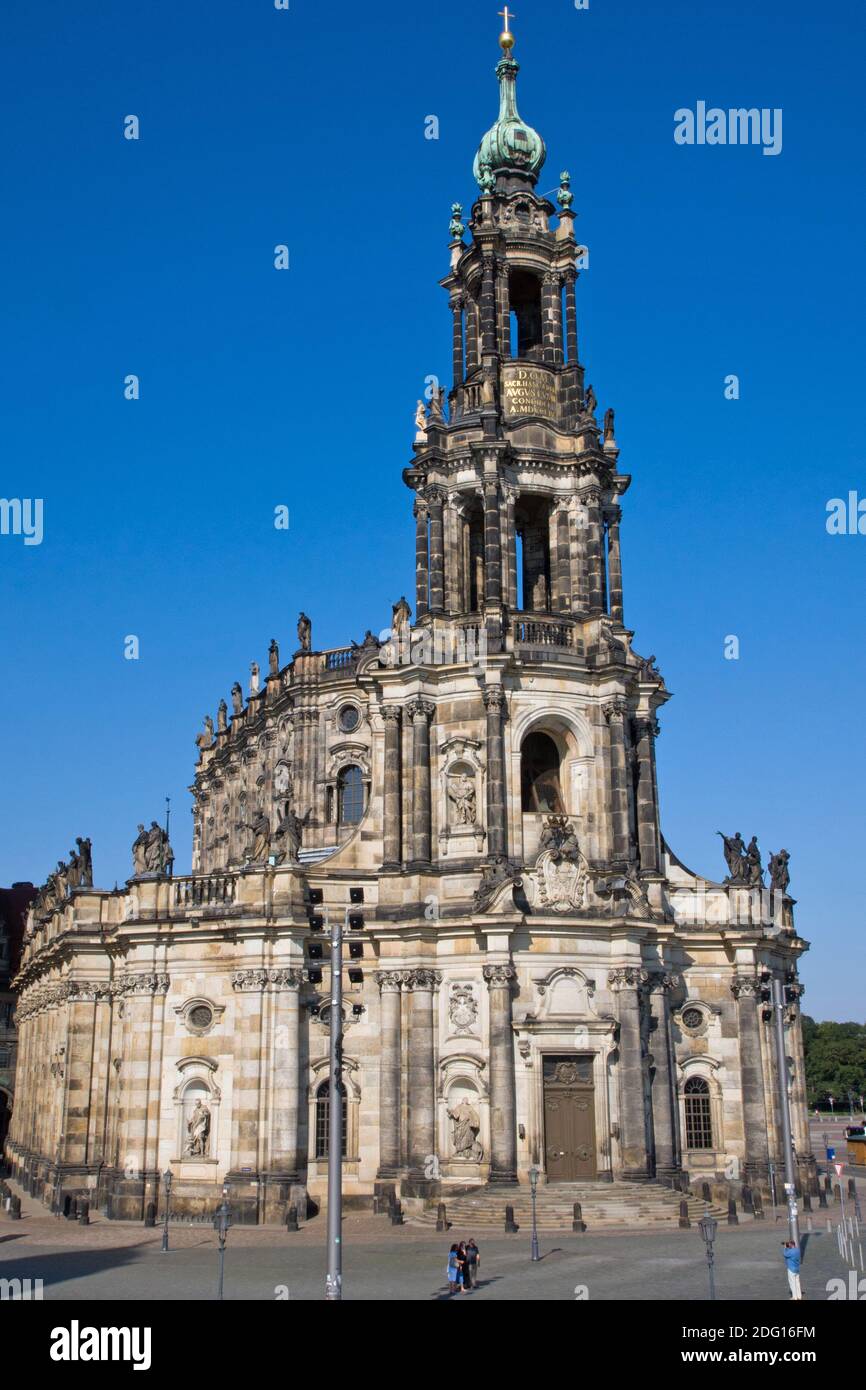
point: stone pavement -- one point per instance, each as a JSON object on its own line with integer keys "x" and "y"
{"x": 123, "y": 1261}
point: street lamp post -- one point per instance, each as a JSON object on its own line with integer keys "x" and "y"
{"x": 708, "y": 1227}
{"x": 533, "y": 1188}
{"x": 778, "y": 996}
{"x": 222, "y": 1221}
{"x": 334, "y": 1278}
{"x": 166, "y": 1178}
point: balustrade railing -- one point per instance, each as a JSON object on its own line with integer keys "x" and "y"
{"x": 201, "y": 889}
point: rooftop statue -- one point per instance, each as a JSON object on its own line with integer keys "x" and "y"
{"x": 305, "y": 632}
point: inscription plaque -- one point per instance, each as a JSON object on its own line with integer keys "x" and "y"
{"x": 528, "y": 391}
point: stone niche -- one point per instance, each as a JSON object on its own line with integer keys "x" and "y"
{"x": 461, "y": 798}
{"x": 463, "y": 1119}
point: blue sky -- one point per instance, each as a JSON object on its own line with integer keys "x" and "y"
{"x": 261, "y": 388}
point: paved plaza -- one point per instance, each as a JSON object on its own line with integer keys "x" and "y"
{"x": 123, "y": 1261}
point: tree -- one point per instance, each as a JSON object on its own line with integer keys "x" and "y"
{"x": 835, "y": 1060}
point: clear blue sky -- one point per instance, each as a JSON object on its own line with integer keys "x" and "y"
{"x": 306, "y": 127}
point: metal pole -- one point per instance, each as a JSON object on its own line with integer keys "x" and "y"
{"x": 710, "y": 1266}
{"x": 778, "y": 996}
{"x": 533, "y": 1183}
{"x": 167, "y": 1181}
{"x": 334, "y": 1281}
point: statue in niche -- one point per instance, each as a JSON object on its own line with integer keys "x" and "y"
{"x": 237, "y": 698}
{"x": 305, "y": 632}
{"x": 198, "y": 1129}
{"x": 139, "y": 860}
{"x": 254, "y": 678}
{"x": 274, "y": 657}
{"x": 464, "y": 1136}
{"x": 778, "y": 867}
{"x": 735, "y": 858}
{"x": 85, "y": 861}
{"x": 205, "y": 739}
{"x": 222, "y": 711}
{"x": 261, "y": 828}
{"x": 461, "y": 794}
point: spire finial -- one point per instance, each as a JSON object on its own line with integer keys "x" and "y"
{"x": 506, "y": 38}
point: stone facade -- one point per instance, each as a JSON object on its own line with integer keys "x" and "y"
{"x": 543, "y": 982}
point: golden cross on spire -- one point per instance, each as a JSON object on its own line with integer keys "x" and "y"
{"x": 506, "y": 38}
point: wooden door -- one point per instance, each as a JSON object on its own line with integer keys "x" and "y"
{"x": 569, "y": 1119}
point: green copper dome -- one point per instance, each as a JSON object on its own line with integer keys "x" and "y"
{"x": 510, "y": 147}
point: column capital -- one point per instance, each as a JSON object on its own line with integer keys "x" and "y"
{"x": 664, "y": 982}
{"x": 419, "y": 507}
{"x": 647, "y": 725}
{"x": 277, "y": 979}
{"x": 498, "y": 976}
{"x": 616, "y": 708}
{"x": 391, "y": 713}
{"x": 421, "y": 979}
{"x": 390, "y": 981}
{"x": 627, "y": 977}
{"x": 434, "y": 496}
{"x": 494, "y": 698}
{"x": 749, "y": 986}
{"x": 420, "y": 710}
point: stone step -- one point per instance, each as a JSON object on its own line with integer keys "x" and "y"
{"x": 602, "y": 1205}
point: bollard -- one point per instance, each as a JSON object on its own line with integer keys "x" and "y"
{"x": 807, "y": 1201}
{"x": 746, "y": 1199}
{"x": 441, "y": 1218}
{"x": 510, "y": 1224}
{"x": 822, "y": 1198}
{"x": 706, "y": 1194}
{"x": 83, "y": 1213}
{"x": 396, "y": 1214}
{"x": 15, "y": 1208}
{"x": 577, "y": 1221}
{"x": 758, "y": 1205}
{"x": 292, "y": 1217}
{"x": 733, "y": 1219}
{"x": 150, "y": 1214}
{"x": 685, "y": 1222}
{"x": 852, "y": 1189}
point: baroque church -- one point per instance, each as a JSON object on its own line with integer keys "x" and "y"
{"x": 533, "y": 979}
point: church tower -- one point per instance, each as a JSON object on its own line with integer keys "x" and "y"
{"x": 534, "y": 984}
{"x": 517, "y": 500}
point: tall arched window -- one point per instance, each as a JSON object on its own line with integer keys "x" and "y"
{"x": 699, "y": 1123}
{"x": 323, "y": 1119}
{"x": 350, "y": 795}
{"x": 540, "y": 786}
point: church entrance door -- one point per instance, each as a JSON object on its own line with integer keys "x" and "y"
{"x": 569, "y": 1119}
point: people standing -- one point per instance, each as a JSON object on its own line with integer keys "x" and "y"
{"x": 473, "y": 1262}
{"x": 791, "y": 1256}
{"x": 453, "y": 1271}
{"x": 463, "y": 1265}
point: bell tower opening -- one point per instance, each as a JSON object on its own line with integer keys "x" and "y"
{"x": 532, "y": 524}
{"x": 540, "y": 786}
{"x": 524, "y": 290}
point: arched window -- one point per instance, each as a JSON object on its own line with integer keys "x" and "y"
{"x": 525, "y": 299}
{"x": 539, "y": 775}
{"x": 323, "y": 1119}
{"x": 350, "y": 795}
{"x": 699, "y": 1124}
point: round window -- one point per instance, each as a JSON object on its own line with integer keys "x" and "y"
{"x": 692, "y": 1018}
{"x": 349, "y": 719}
{"x": 200, "y": 1017}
